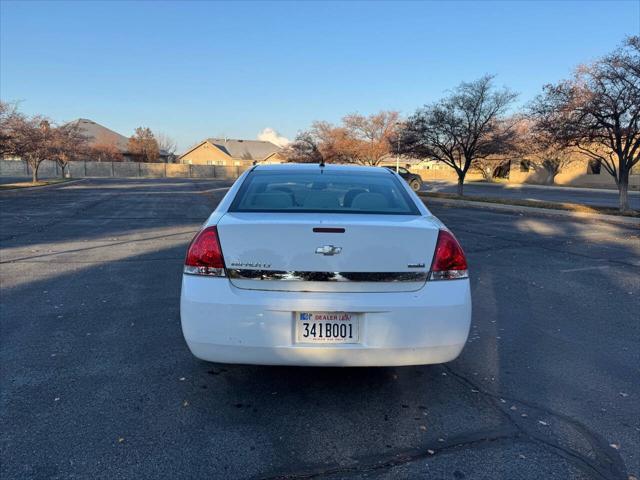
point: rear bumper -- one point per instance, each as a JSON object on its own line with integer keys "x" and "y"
{"x": 222, "y": 323}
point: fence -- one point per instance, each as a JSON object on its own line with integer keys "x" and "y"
{"x": 79, "y": 169}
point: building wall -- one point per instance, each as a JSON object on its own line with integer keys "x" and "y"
{"x": 576, "y": 174}
{"x": 275, "y": 158}
{"x": 207, "y": 154}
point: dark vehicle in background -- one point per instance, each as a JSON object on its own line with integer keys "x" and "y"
{"x": 413, "y": 179}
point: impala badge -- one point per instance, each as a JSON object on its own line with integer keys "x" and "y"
{"x": 328, "y": 250}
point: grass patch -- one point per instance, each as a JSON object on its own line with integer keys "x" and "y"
{"x": 505, "y": 181}
{"x": 572, "y": 207}
{"x": 495, "y": 180}
{"x": 39, "y": 183}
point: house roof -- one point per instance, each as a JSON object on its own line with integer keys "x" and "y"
{"x": 100, "y": 135}
{"x": 245, "y": 149}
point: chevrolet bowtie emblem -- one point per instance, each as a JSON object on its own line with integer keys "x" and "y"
{"x": 328, "y": 250}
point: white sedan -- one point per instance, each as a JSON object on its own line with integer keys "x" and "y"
{"x": 324, "y": 265}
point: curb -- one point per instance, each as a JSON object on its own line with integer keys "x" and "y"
{"x": 38, "y": 187}
{"x": 546, "y": 211}
{"x": 518, "y": 186}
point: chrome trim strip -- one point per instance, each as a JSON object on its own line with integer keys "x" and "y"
{"x": 281, "y": 275}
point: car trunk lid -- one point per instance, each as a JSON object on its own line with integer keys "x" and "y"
{"x": 340, "y": 253}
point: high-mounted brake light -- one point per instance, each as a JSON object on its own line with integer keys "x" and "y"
{"x": 204, "y": 256}
{"x": 449, "y": 262}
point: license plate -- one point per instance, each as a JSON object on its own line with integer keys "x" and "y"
{"x": 327, "y": 327}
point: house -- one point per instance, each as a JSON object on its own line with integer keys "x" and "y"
{"x": 98, "y": 135}
{"x": 101, "y": 137}
{"x": 232, "y": 153}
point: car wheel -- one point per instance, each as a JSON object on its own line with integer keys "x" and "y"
{"x": 415, "y": 185}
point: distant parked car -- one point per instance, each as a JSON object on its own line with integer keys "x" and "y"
{"x": 413, "y": 179}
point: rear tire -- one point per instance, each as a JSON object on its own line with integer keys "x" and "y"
{"x": 415, "y": 185}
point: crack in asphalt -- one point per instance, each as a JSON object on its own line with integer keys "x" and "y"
{"x": 469, "y": 440}
{"x": 608, "y": 464}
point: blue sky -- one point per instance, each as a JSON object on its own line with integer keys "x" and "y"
{"x": 201, "y": 69}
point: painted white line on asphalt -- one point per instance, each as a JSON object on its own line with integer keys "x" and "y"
{"x": 601, "y": 267}
{"x": 214, "y": 190}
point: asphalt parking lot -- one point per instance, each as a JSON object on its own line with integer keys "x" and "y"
{"x": 97, "y": 382}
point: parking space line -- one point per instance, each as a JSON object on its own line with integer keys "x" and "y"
{"x": 583, "y": 269}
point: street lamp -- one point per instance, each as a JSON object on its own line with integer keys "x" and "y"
{"x": 398, "y": 150}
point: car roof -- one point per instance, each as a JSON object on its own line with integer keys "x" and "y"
{"x": 309, "y": 167}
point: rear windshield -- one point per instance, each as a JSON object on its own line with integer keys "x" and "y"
{"x": 326, "y": 191}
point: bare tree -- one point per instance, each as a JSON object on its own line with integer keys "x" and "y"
{"x": 597, "y": 112}
{"x": 68, "y": 143}
{"x": 32, "y": 140}
{"x": 167, "y": 146}
{"x": 368, "y": 137}
{"x": 304, "y": 149}
{"x": 462, "y": 128}
{"x": 506, "y": 136}
{"x": 143, "y": 145}
{"x": 8, "y": 117}
{"x": 35, "y": 139}
{"x": 358, "y": 139}
{"x": 333, "y": 142}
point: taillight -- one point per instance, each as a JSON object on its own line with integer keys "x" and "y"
{"x": 204, "y": 256}
{"x": 449, "y": 262}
